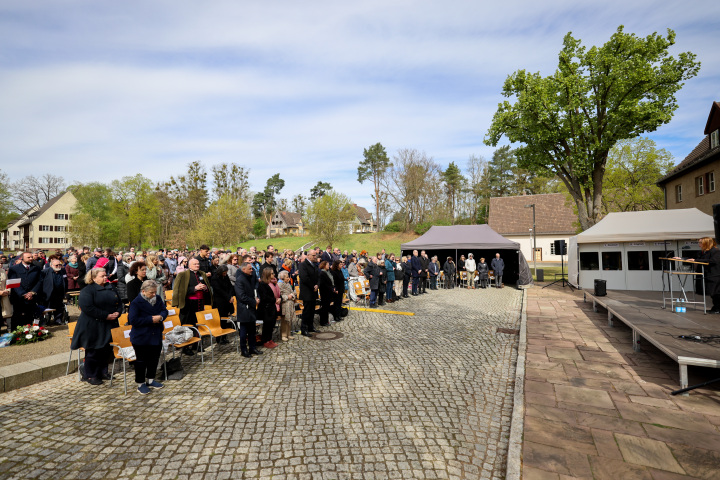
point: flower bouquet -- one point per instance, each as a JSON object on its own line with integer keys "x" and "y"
{"x": 29, "y": 334}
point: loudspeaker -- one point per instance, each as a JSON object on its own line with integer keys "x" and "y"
{"x": 560, "y": 247}
{"x": 716, "y": 221}
{"x": 600, "y": 287}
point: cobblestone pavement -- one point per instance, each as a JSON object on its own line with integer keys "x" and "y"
{"x": 596, "y": 409}
{"x": 407, "y": 397}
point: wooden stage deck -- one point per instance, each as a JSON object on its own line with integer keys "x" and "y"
{"x": 643, "y": 313}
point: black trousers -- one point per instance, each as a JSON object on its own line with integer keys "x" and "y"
{"x": 267, "y": 330}
{"x": 406, "y": 281}
{"x": 308, "y": 315}
{"x": 415, "y": 284}
{"x": 423, "y": 284}
{"x": 324, "y": 309}
{"x": 146, "y": 363}
{"x": 381, "y": 294}
{"x": 247, "y": 336}
{"x": 96, "y": 361}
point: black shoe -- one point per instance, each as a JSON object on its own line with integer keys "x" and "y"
{"x": 305, "y": 334}
{"x": 406, "y": 296}
{"x": 255, "y": 351}
{"x": 94, "y": 381}
{"x": 188, "y": 352}
{"x": 246, "y": 354}
{"x": 106, "y": 376}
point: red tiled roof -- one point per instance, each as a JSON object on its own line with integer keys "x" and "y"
{"x": 508, "y": 215}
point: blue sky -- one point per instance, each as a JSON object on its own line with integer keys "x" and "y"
{"x": 97, "y": 90}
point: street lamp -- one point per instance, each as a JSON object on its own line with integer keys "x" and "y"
{"x": 534, "y": 238}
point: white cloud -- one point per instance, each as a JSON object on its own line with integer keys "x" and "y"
{"x": 96, "y": 90}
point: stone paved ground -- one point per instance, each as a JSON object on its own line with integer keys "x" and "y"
{"x": 594, "y": 408}
{"x": 407, "y": 397}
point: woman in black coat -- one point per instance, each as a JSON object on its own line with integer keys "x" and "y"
{"x": 449, "y": 272}
{"x": 223, "y": 293}
{"x": 266, "y": 309}
{"x": 147, "y": 313}
{"x": 100, "y": 307}
{"x": 339, "y": 283}
{"x": 122, "y": 270}
{"x": 139, "y": 271}
{"x": 711, "y": 255}
{"x": 326, "y": 287}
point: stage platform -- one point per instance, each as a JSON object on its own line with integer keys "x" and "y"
{"x": 643, "y": 313}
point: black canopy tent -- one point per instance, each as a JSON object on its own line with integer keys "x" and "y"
{"x": 481, "y": 241}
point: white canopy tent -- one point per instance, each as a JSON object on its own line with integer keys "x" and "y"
{"x": 624, "y": 247}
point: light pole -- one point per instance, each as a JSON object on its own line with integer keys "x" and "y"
{"x": 534, "y": 238}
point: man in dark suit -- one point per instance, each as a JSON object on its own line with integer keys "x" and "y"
{"x": 425, "y": 262}
{"x": 416, "y": 267}
{"x": 24, "y": 297}
{"x": 53, "y": 287}
{"x": 246, "y": 303}
{"x": 327, "y": 255}
{"x": 309, "y": 275}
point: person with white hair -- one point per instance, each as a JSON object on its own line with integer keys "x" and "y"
{"x": 146, "y": 316}
{"x": 471, "y": 267}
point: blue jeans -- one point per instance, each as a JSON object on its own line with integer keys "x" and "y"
{"x": 390, "y": 293}
{"x": 415, "y": 284}
{"x": 373, "y": 297}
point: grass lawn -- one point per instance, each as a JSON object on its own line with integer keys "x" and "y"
{"x": 372, "y": 242}
{"x": 549, "y": 272}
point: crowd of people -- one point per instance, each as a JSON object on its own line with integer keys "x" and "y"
{"x": 261, "y": 284}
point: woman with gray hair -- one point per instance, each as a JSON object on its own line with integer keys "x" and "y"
{"x": 287, "y": 307}
{"x": 147, "y": 313}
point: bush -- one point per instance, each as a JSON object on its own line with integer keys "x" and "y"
{"x": 259, "y": 228}
{"x": 393, "y": 227}
{"x": 422, "y": 228}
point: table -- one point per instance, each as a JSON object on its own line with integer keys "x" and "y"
{"x": 682, "y": 275}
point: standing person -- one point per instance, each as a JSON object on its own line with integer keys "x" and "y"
{"x": 24, "y": 296}
{"x": 416, "y": 267}
{"x": 100, "y": 308}
{"x": 389, "y": 278}
{"x": 146, "y": 316}
{"x": 287, "y": 307}
{"x": 97, "y": 254}
{"x": 203, "y": 258}
{"x": 406, "y": 275}
{"x": 498, "y": 265}
{"x": 155, "y": 272}
{"x": 353, "y": 276}
{"x": 54, "y": 286}
{"x": 326, "y": 288}
{"x": 399, "y": 274}
{"x": 190, "y": 295}
{"x": 711, "y": 255}
{"x": 434, "y": 270}
{"x": 470, "y": 267}
{"x": 482, "y": 270}
{"x": 339, "y": 282}
{"x": 372, "y": 273}
{"x": 138, "y": 273}
{"x": 269, "y": 263}
{"x": 383, "y": 280}
{"x": 6, "y": 308}
{"x": 110, "y": 265}
{"x": 223, "y": 293}
{"x": 246, "y": 303}
{"x": 327, "y": 255}
{"x": 425, "y": 263}
{"x": 449, "y": 270}
{"x": 232, "y": 267}
{"x": 267, "y": 308}
{"x": 308, "y": 292}
{"x": 123, "y": 269}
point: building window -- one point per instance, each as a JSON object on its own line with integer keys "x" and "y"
{"x": 678, "y": 193}
{"x": 715, "y": 139}
{"x": 710, "y": 181}
{"x": 638, "y": 260}
{"x": 59, "y": 228}
{"x": 62, "y": 216}
{"x": 699, "y": 186}
{"x": 612, "y": 261}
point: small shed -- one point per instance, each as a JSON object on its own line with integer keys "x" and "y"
{"x": 625, "y": 248}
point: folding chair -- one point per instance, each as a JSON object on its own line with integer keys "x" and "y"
{"x": 464, "y": 279}
{"x": 360, "y": 292}
{"x": 120, "y": 340}
{"x": 71, "y": 332}
{"x": 441, "y": 279}
{"x": 168, "y": 296}
{"x": 210, "y": 321}
{"x": 170, "y": 323}
{"x": 123, "y": 319}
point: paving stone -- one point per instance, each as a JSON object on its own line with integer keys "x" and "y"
{"x": 647, "y": 452}
{"x": 424, "y": 396}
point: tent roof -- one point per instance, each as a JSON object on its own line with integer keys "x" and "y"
{"x": 650, "y": 225}
{"x": 460, "y": 236}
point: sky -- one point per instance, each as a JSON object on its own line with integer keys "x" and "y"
{"x": 93, "y": 91}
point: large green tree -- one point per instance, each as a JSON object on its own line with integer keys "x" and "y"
{"x": 328, "y": 217}
{"x": 264, "y": 203}
{"x": 453, "y": 179}
{"x": 373, "y": 167}
{"x": 137, "y": 208}
{"x": 633, "y": 168}
{"x": 320, "y": 189}
{"x": 7, "y": 212}
{"x": 228, "y": 222}
{"x": 94, "y": 223}
{"x": 567, "y": 122}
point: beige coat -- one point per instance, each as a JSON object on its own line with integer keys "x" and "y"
{"x": 7, "y": 309}
{"x": 287, "y": 308}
